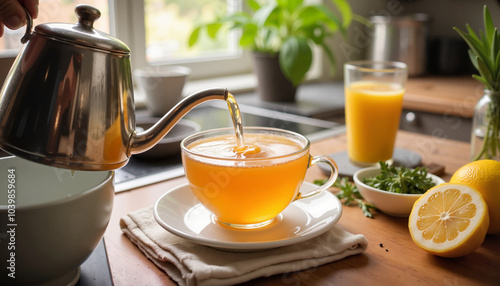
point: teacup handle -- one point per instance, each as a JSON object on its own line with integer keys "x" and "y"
{"x": 333, "y": 175}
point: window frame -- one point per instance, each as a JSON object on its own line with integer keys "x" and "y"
{"x": 133, "y": 35}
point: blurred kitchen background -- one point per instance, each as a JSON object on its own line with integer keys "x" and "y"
{"x": 157, "y": 31}
{"x": 440, "y": 94}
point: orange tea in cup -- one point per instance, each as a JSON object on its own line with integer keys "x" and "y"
{"x": 248, "y": 187}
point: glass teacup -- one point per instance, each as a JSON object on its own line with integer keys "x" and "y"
{"x": 249, "y": 188}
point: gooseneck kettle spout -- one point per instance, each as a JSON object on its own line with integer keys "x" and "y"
{"x": 143, "y": 141}
{"x": 68, "y": 99}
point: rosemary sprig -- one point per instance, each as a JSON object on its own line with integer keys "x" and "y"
{"x": 484, "y": 54}
{"x": 348, "y": 193}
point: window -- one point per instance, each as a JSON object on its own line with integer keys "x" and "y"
{"x": 168, "y": 24}
{"x": 155, "y": 30}
{"x": 54, "y": 11}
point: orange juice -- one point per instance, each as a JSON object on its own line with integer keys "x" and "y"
{"x": 247, "y": 186}
{"x": 373, "y": 110}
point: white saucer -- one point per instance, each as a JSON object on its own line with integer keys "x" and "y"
{"x": 179, "y": 212}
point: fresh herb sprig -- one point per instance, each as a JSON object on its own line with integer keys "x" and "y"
{"x": 348, "y": 193}
{"x": 401, "y": 180}
{"x": 484, "y": 54}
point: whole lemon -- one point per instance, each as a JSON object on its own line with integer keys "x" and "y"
{"x": 484, "y": 176}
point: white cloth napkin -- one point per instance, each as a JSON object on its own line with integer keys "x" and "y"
{"x": 189, "y": 264}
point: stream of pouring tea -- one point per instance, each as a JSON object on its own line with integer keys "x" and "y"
{"x": 234, "y": 110}
{"x": 241, "y": 150}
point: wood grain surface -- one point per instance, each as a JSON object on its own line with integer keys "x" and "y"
{"x": 391, "y": 258}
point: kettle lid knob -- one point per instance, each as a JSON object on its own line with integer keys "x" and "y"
{"x": 82, "y": 33}
{"x": 87, "y": 15}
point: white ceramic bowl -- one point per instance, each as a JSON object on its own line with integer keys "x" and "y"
{"x": 388, "y": 202}
{"x": 57, "y": 218}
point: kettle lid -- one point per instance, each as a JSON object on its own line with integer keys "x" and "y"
{"x": 83, "y": 32}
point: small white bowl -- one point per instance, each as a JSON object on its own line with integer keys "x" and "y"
{"x": 393, "y": 204}
{"x": 162, "y": 86}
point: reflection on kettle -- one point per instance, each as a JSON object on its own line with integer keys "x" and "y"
{"x": 68, "y": 99}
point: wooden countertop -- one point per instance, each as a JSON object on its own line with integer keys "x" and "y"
{"x": 399, "y": 262}
{"x": 455, "y": 95}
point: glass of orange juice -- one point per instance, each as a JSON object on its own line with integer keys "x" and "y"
{"x": 249, "y": 188}
{"x": 373, "y": 102}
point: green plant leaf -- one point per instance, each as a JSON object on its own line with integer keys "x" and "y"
{"x": 484, "y": 70}
{"x": 264, "y": 16}
{"x": 295, "y": 58}
{"x": 488, "y": 25}
{"x": 315, "y": 16}
{"x": 345, "y": 11}
{"x": 480, "y": 79}
{"x": 485, "y": 44}
{"x": 331, "y": 20}
{"x": 307, "y": 16}
{"x": 497, "y": 51}
{"x": 497, "y": 76}
{"x": 253, "y": 4}
{"x": 277, "y": 18}
{"x": 212, "y": 29}
{"x": 193, "y": 38}
{"x": 290, "y": 5}
{"x": 248, "y": 35}
{"x": 493, "y": 53}
{"x": 473, "y": 59}
{"x": 471, "y": 32}
{"x": 316, "y": 33}
{"x": 474, "y": 44}
{"x": 362, "y": 20}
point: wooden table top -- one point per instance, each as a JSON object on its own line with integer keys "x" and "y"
{"x": 449, "y": 95}
{"x": 391, "y": 258}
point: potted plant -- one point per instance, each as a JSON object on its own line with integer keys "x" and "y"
{"x": 484, "y": 53}
{"x": 281, "y": 35}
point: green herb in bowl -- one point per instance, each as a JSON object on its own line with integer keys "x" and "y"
{"x": 401, "y": 180}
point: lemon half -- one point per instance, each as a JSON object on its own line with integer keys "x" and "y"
{"x": 449, "y": 220}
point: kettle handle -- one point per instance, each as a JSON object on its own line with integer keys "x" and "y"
{"x": 29, "y": 27}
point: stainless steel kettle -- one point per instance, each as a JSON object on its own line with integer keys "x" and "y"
{"x": 68, "y": 99}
